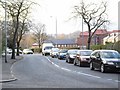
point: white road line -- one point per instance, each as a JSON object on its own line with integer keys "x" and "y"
{"x": 78, "y": 72}
{"x": 88, "y": 75}
{"x": 65, "y": 69}
{"x": 56, "y": 65}
{"x": 12, "y": 71}
{"x": 109, "y": 79}
{"x": 117, "y": 81}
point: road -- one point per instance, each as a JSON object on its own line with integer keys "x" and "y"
{"x": 37, "y": 71}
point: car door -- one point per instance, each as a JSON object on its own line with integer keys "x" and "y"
{"x": 94, "y": 59}
{"x": 98, "y": 60}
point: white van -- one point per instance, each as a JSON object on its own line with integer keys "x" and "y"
{"x": 46, "y": 48}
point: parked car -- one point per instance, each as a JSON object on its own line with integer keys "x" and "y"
{"x": 20, "y": 51}
{"x": 27, "y": 51}
{"x": 82, "y": 57}
{"x": 62, "y": 54}
{"x": 105, "y": 60}
{"x": 54, "y": 52}
{"x": 8, "y": 50}
{"x": 70, "y": 56}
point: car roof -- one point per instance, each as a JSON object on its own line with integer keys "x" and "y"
{"x": 73, "y": 49}
{"x": 104, "y": 50}
{"x": 84, "y": 50}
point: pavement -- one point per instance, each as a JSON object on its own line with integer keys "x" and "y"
{"x": 7, "y": 74}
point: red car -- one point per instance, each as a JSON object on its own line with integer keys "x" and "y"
{"x": 82, "y": 57}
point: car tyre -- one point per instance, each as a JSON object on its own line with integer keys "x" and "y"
{"x": 66, "y": 60}
{"x": 91, "y": 66}
{"x": 79, "y": 64}
{"x": 74, "y": 62}
{"x": 102, "y": 68}
{"x": 69, "y": 60}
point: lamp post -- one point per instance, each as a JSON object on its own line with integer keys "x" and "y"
{"x": 82, "y": 28}
{"x": 55, "y": 26}
{"x": 5, "y": 33}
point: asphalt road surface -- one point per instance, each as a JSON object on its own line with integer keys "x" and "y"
{"x": 37, "y": 71}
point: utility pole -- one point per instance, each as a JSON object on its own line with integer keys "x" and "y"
{"x": 55, "y": 17}
{"x": 56, "y": 26}
{"x": 82, "y": 28}
{"x": 5, "y": 33}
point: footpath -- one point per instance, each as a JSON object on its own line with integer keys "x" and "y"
{"x": 6, "y": 72}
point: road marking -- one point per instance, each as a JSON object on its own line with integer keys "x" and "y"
{"x": 78, "y": 72}
{"x": 109, "y": 79}
{"x": 88, "y": 75}
{"x": 117, "y": 81}
{"x": 56, "y": 65}
{"x": 66, "y": 69}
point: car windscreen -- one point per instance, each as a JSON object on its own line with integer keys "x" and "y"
{"x": 85, "y": 53}
{"x": 72, "y": 52}
{"x": 48, "y": 48}
{"x": 110, "y": 55}
{"x": 63, "y": 51}
{"x": 55, "y": 49}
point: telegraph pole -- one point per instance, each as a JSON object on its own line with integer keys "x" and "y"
{"x": 82, "y": 28}
{"x": 56, "y": 26}
{"x": 5, "y": 33}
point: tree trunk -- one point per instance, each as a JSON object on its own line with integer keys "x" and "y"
{"x": 89, "y": 41}
{"x": 39, "y": 48}
{"x": 18, "y": 45}
{"x": 89, "y": 38}
{"x": 13, "y": 49}
{"x": 15, "y": 37}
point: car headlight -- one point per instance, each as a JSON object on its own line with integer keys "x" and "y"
{"x": 108, "y": 62}
{"x": 84, "y": 59}
{"x": 72, "y": 56}
{"x": 111, "y": 63}
{"x": 104, "y": 62}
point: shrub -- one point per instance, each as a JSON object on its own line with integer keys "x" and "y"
{"x": 96, "y": 47}
{"x": 116, "y": 46}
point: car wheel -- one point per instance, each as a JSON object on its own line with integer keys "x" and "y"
{"x": 80, "y": 64}
{"x": 91, "y": 66}
{"x": 66, "y": 59}
{"x": 69, "y": 60}
{"x": 102, "y": 68}
{"x": 74, "y": 62}
{"x": 58, "y": 57}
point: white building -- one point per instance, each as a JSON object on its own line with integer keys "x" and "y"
{"x": 113, "y": 37}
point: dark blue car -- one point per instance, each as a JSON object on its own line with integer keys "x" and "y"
{"x": 62, "y": 54}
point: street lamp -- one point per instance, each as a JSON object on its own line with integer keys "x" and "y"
{"x": 82, "y": 28}
{"x": 55, "y": 25}
{"x": 5, "y": 33}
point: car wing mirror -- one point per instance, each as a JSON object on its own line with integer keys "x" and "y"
{"x": 93, "y": 57}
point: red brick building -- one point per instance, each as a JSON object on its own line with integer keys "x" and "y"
{"x": 96, "y": 39}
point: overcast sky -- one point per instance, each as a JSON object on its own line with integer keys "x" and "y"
{"x": 50, "y": 10}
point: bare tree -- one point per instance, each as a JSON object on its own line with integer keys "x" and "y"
{"x": 15, "y": 8}
{"x": 93, "y": 15}
{"x": 39, "y": 33}
{"x": 23, "y": 28}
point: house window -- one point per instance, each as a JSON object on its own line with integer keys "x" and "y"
{"x": 114, "y": 34}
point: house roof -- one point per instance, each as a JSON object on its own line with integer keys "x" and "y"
{"x": 101, "y": 31}
{"x": 63, "y": 41}
{"x": 98, "y": 32}
{"x": 114, "y": 31}
{"x": 35, "y": 44}
{"x": 84, "y": 33}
